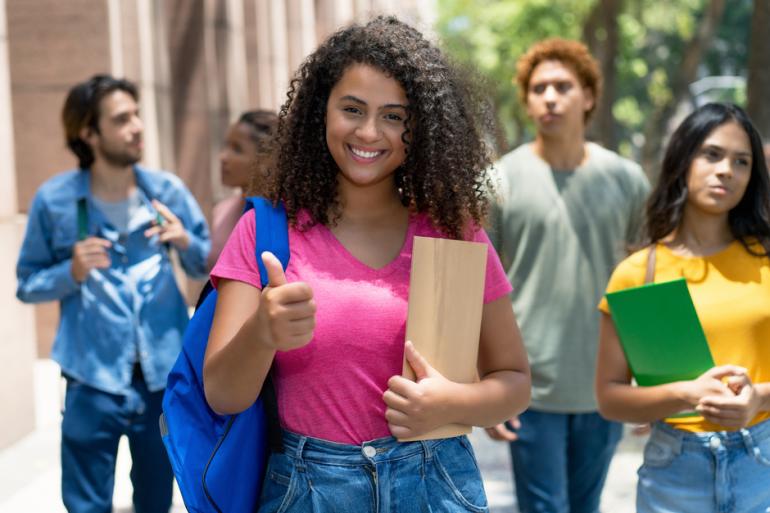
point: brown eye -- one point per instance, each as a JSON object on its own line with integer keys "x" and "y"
{"x": 743, "y": 162}
{"x": 711, "y": 155}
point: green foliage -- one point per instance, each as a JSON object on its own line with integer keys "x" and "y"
{"x": 492, "y": 34}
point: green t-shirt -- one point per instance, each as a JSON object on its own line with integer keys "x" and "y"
{"x": 559, "y": 235}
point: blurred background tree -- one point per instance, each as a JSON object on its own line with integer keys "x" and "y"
{"x": 659, "y": 59}
{"x": 759, "y": 68}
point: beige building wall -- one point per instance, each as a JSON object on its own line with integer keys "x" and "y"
{"x": 198, "y": 65}
{"x": 17, "y": 328}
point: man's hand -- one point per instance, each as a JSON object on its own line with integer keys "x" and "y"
{"x": 168, "y": 228}
{"x": 286, "y": 313}
{"x": 503, "y": 433}
{"x": 417, "y": 407}
{"x": 87, "y": 254}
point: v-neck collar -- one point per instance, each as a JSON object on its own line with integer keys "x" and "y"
{"x": 387, "y": 269}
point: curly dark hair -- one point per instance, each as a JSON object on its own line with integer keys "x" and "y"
{"x": 572, "y": 54}
{"x": 445, "y": 171}
{"x": 749, "y": 220}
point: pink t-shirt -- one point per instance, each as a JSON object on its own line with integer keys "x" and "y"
{"x": 332, "y": 387}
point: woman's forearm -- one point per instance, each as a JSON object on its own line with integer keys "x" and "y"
{"x": 497, "y": 397}
{"x": 233, "y": 376}
{"x": 627, "y": 403}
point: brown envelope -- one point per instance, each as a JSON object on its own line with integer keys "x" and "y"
{"x": 446, "y": 298}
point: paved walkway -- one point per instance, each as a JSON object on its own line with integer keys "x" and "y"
{"x": 29, "y": 469}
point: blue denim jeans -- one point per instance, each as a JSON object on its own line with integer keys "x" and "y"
{"x": 560, "y": 461}
{"x": 713, "y": 472}
{"x": 384, "y": 475}
{"x": 92, "y": 426}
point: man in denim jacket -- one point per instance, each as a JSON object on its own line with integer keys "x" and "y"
{"x": 98, "y": 240}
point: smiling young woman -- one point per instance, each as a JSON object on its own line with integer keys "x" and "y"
{"x": 365, "y": 160}
{"x": 365, "y": 126}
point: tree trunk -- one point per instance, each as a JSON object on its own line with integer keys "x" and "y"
{"x": 759, "y": 69}
{"x": 657, "y": 124}
{"x": 601, "y": 34}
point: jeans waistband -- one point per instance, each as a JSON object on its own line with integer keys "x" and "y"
{"x": 747, "y": 437}
{"x": 318, "y": 450}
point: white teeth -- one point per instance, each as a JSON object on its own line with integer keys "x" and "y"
{"x": 364, "y": 154}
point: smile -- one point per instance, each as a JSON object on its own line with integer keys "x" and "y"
{"x": 365, "y": 154}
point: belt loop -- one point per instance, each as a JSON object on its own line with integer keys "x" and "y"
{"x": 748, "y": 441}
{"x": 298, "y": 453}
{"x": 427, "y": 456}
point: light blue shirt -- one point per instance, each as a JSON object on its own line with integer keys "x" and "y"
{"x": 131, "y": 312}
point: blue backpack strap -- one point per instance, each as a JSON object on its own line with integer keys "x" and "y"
{"x": 272, "y": 232}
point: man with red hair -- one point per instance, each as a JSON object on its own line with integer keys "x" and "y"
{"x": 567, "y": 211}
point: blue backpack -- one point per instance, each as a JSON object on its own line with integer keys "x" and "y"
{"x": 219, "y": 460}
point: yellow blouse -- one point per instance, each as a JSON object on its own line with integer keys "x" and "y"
{"x": 731, "y": 294}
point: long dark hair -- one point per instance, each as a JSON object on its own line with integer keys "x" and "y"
{"x": 749, "y": 220}
{"x": 444, "y": 173}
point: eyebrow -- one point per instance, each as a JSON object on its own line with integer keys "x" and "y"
{"x": 552, "y": 81}
{"x": 738, "y": 153}
{"x": 359, "y": 101}
{"x": 123, "y": 113}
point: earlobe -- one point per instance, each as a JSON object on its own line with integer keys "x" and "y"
{"x": 85, "y": 133}
{"x": 589, "y": 99}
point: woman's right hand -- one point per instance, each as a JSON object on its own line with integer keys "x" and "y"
{"x": 286, "y": 313}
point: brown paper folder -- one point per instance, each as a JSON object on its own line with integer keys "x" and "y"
{"x": 446, "y": 298}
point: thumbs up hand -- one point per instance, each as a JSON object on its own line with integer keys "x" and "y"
{"x": 416, "y": 407}
{"x": 286, "y": 313}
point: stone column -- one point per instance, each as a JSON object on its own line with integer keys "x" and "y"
{"x": 146, "y": 50}
{"x": 51, "y": 46}
{"x": 250, "y": 35}
{"x": 264, "y": 89}
{"x": 332, "y": 15}
{"x": 236, "y": 77}
{"x": 17, "y": 322}
{"x": 363, "y": 10}
{"x": 272, "y": 53}
{"x": 384, "y": 7}
{"x": 301, "y": 32}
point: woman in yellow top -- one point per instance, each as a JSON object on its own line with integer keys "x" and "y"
{"x": 708, "y": 220}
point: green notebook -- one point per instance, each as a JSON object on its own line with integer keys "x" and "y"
{"x": 660, "y": 332}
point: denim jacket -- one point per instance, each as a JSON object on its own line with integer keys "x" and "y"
{"x": 131, "y": 312}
